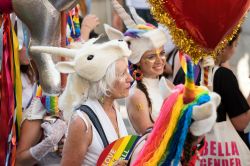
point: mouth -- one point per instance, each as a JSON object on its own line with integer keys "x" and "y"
{"x": 158, "y": 67}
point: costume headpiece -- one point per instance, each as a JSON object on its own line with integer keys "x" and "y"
{"x": 89, "y": 64}
{"x": 141, "y": 35}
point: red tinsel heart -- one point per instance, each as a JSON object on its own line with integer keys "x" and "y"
{"x": 206, "y": 22}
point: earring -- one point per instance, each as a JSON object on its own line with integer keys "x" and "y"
{"x": 137, "y": 74}
{"x": 101, "y": 99}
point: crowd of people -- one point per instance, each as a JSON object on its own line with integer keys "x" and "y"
{"x": 134, "y": 64}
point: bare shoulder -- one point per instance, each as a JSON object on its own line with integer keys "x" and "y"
{"x": 78, "y": 124}
{"x": 77, "y": 142}
{"x": 137, "y": 96}
{"x": 138, "y": 111}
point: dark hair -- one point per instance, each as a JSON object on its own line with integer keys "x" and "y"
{"x": 31, "y": 71}
{"x": 140, "y": 85}
{"x": 236, "y": 36}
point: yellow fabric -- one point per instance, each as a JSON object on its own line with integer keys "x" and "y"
{"x": 18, "y": 82}
{"x": 176, "y": 112}
{"x": 120, "y": 150}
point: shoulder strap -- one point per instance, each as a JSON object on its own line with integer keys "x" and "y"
{"x": 94, "y": 119}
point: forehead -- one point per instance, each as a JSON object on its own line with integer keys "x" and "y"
{"x": 121, "y": 64}
{"x": 153, "y": 51}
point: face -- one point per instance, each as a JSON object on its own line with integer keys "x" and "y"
{"x": 123, "y": 80}
{"x": 152, "y": 63}
{"x": 228, "y": 52}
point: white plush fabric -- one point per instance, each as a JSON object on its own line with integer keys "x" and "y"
{"x": 35, "y": 111}
{"x": 205, "y": 115}
{"x": 89, "y": 65}
{"x": 152, "y": 39}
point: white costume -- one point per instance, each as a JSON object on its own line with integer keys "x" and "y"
{"x": 155, "y": 96}
{"x": 90, "y": 63}
{"x": 96, "y": 146}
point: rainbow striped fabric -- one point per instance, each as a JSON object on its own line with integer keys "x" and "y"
{"x": 49, "y": 102}
{"x": 119, "y": 149}
{"x": 165, "y": 144}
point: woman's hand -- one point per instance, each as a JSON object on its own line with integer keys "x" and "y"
{"x": 60, "y": 146}
{"x": 90, "y": 22}
{"x": 121, "y": 163}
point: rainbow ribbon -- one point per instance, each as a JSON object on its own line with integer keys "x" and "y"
{"x": 51, "y": 105}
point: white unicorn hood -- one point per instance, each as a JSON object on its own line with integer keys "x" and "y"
{"x": 145, "y": 36}
{"x": 91, "y": 60}
{"x": 89, "y": 64}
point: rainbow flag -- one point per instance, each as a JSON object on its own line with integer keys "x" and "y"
{"x": 119, "y": 149}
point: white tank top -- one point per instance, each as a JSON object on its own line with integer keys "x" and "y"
{"x": 96, "y": 147}
{"x": 155, "y": 95}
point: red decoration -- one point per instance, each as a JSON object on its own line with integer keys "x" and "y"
{"x": 207, "y": 21}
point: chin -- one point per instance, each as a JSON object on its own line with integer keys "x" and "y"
{"x": 158, "y": 73}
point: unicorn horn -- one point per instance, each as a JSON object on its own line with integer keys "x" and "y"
{"x": 59, "y": 51}
{"x": 123, "y": 14}
{"x": 189, "y": 94}
{"x": 136, "y": 17}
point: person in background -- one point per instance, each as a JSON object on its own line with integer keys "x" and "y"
{"x": 38, "y": 138}
{"x": 226, "y": 85}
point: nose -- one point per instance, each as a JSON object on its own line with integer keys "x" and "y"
{"x": 158, "y": 59}
{"x": 130, "y": 78}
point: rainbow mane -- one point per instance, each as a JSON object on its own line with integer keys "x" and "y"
{"x": 139, "y": 30}
{"x": 51, "y": 105}
{"x": 164, "y": 145}
{"x": 49, "y": 102}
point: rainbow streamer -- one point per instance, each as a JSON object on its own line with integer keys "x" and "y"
{"x": 39, "y": 91}
{"x": 165, "y": 143}
{"x": 51, "y": 105}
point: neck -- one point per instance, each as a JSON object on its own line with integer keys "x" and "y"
{"x": 152, "y": 77}
{"x": 107, "y": 103}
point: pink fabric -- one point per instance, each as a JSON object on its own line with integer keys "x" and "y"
{"x": 160, "y": 126}
{"x": 6, "y": 6}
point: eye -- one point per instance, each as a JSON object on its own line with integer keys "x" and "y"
{"x": 163, "y": 54}
{"x": 120, "y": 40}
{"x": 152, "y": 56}
{"x": 90, "y": 57}
{"x": 129, "y": 43}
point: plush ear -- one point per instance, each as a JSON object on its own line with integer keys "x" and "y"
{"x": 202, "y": 111}
{"x": 65, "y": 67}
{"x": 216, "y": 99}
{"x": 113, "y": 33}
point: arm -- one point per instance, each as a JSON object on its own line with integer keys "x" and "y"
{"x": 233, "y": 101}
{"x": 90, "y": 22}
{"x": 30, "y": 149}
{"x": 77, "y": 142}
{"x": 117, "y": 21}
{"x": 31, "y": 133}
{"x": 240, "y": 122}
{"x": 139, "y": 111}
